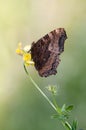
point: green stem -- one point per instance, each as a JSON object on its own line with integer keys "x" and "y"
{"x": 42, "y": 92}
{"x": 55, "y": 103}
{"x": 37, "y": 87}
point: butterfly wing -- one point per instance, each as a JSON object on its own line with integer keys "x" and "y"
{"x": 45, "y": 52}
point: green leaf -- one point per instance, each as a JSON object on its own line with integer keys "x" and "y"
{"x": 25, "y": 69}
{"x": 62, "y": 117}
{"x": 63, "y": 108}
{"x": 69, "y": 108}
{"x": 74, "y": 125}
{"x": 55, "y": 116}
{"x": 68, "y": 126}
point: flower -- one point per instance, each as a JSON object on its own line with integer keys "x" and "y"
{"x": 19, "y": 49}
{"x": 25, "y": 54}
{"x": 52, "y": 89}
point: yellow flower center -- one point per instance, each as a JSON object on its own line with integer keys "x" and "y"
{"x": 27, "y": 57}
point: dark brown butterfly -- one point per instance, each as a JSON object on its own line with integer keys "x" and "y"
{"x": 45, "y": 52}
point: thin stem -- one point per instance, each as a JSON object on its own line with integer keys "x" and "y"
{"x": 55, "y": 103}
{"x": 37, "y": 87}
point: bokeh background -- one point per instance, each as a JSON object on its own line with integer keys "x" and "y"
{"x": 22, "y": 107}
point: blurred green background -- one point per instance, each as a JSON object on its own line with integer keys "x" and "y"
{"x": 21, "y": 105}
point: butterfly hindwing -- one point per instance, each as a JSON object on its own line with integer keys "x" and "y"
{"x": 45, "y": 52}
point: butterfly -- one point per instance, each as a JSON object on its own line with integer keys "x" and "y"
{"x": 46, "y": 51}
